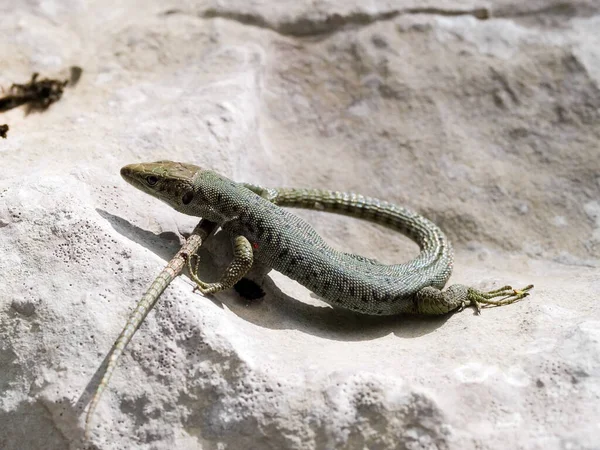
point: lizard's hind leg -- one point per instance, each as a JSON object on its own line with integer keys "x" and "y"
{"x": 509, "y": 295}
{"x": 243, "y": 257}
{"x": 430, "y": 300}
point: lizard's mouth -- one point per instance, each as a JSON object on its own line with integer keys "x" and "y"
{"x": 127, "y": 171}
{"x": 131, "y": 173}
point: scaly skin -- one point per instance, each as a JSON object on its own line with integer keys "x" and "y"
{"x": 264, "y": 232}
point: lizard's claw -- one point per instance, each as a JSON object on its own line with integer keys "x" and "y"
{"x": 509, "y": 295}
{"x": 200, "y": 285}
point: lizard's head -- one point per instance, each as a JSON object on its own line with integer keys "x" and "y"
{"x": 169, "y": 181}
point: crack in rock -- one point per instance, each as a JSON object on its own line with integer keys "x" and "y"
{"x": 305, "y": 27}
{"x": 332, "y": 23}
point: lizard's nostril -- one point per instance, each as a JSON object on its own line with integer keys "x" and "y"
{"x": 126, "y": 171}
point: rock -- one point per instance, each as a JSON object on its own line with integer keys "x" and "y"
{"x": 484, "y": 117}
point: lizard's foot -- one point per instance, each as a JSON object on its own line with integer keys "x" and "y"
{"x": 509, "y": 295}
{"x": 202, "y": 286}
{"x": 457, "y": 297}
{"x": 243, "y": 257}
{"x": 249, "y": 289}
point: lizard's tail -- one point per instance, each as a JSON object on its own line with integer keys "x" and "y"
{"x": 435, "y": 247}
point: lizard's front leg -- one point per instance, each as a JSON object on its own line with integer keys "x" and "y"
{"x": 243, "y": 257}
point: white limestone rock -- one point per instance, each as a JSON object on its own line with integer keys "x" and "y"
{"x": 482, "y": 115}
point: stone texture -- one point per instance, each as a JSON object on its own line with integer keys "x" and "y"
{"x": 485, "y": 116}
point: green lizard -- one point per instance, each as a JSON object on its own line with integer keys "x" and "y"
{"x": 263, "y": 232}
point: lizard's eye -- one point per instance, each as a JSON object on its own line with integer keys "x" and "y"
{"x": 151, "y": 180}
{"x": 187, "y": 197}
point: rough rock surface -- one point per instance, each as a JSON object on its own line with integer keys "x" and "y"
{"x": 483, "y": 115}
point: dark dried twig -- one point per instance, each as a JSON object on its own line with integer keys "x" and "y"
{"x": 37, "y": 94}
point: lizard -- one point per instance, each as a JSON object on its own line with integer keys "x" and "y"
{"x": 264, "y": 234}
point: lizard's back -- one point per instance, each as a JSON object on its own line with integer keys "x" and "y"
{"x": 288, "y": 244}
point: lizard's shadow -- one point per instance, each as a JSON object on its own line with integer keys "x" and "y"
{"x": 278, "y": 310}
{"x": 164, "y": 244}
